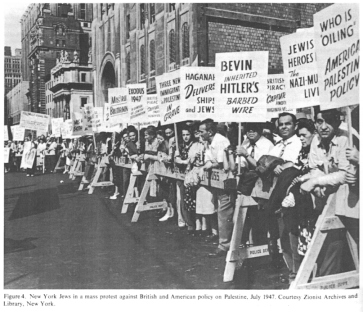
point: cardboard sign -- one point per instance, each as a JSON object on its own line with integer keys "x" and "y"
{"x": 77, "y": 124}
{"x": 18, "y": 133}
{"x": 276, "y": 96}
{"x": 29, "y": 155}
{"x": 6, "y": 134}
{"x": 153, "y": 113}
{"x": 110, "y": 125}
{"x": 197, "y": 92}
{"x": 6, "y": 155}
{"x": 337, "y": 48}
{"x": 117, "y": 110}
{"x": 34, "y": 121}
{"x": 168, "y": 90}
{"x": 300, "y": 68}
{"x": 56, "y": 127}
{"x": 137, "y": 99}
{"x": 67, "y": 129}
{"x": 97, "y": 119}
{"x": 87, "y": 112}
{"x": 241, "y": 86}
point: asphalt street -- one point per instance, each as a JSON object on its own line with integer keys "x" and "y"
{"x": 56, "y": 237}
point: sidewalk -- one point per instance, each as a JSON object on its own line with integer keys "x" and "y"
{"x": 58, "y": 238}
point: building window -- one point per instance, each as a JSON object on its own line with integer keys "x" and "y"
{"x": 152, "y": 55}
{"x": 171, "y": 7}
{"x": 83, "y": 102}
{"x": 172, "y": 50}
{"x": 57, "y": 43}
{"x": 83, "y": 77}
{"x": 128, "y": 26}
{"x": 128, "y": 66}
{"x": 82, "y": 12}
{"x": 142, "y": 16}
{"x": 142, "y": 60}
{"x": 185, "y": 42}
{"x": 152, "y": 13}
{"x": 63, "y": 43}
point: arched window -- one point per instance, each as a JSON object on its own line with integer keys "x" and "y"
{"x": 142, "y": 60}
{"x": 172, "y": 50}
{"x": 152, "y": 55}
{"x": 185, "y": 40}
{"x": 128, "y": 66}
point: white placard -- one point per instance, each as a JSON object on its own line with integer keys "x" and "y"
{"x": 117, "y": 110}
{"x": 276, "y": 96}
{"x": 87, "y": 112}
{"x": 56, "y": 127}
{"x": 29, "y": 155}
{"x": 34, "y": 121}
{"x": 137, "y": 99}
{"x": 97, "y": 119}
{"x": 197, "y": 92}
{"x": 6, "y": 155}
{"x": 300, "y": 69}
{"x": 6, "y": 134}
{"x": 168, "y": 90}
{"x": 18, "y": 133}
{"x": 337, "y": 48}
{"x": 241, "y": 86}
{"x": 67, "y": 129}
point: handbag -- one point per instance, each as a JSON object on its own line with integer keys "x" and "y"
{"x": 266, "y": 164}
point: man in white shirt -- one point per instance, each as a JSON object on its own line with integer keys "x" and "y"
{"x": 214, "y": 155}
{"x": 288, "y": 149}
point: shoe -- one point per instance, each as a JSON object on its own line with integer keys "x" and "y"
{"x": 28, "y": 175}
{"x": 218, "y": 253}
{"x": 114, "y": 196}
{"x": 181, "y": 223}
{"x": 32, "y": 175}
{"x": 167, "y": 215}
{"x": 65, "y": 171}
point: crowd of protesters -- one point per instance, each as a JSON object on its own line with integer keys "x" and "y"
{"x": 286, "y": 170}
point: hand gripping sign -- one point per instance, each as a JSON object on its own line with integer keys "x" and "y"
{"x": 241, "y": 86}
{"x": 300, "y": 68}
{"x": 337, "y": 48}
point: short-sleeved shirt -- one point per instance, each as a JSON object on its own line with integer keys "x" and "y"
{"x": 262, "y": 147}
{"x": 215, "y": 150}
{"x": 288, "y": 149}
{"x": 52, "y": 148}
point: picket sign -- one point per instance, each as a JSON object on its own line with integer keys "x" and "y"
{"x": 100, "y": 168}
{"x": 327, "y": 221}
{"x": 236, "y": 255}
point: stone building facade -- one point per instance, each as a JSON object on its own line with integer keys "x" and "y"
{"x": 69, "y": 88}
{"x": 17, "y": 101}
{"x": 47, "y": 30}
{"x": 136, "y": 42}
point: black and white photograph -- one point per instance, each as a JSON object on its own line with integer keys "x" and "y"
{"x": 204, "y": 154}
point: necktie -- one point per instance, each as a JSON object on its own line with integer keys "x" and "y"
{"x": 253, "y": 150}
{"x": 283, "y": 149}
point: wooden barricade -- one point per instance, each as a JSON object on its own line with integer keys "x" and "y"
{"x": 326, "y": 221}
{"x": 237, "y": 254}
{"x": 94, "y": 183}
{"x": 77, "y": 166}
{"x": 132, "y": 194}
{"x": 57, "y": 166}
{"x": 214, "y": 179}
